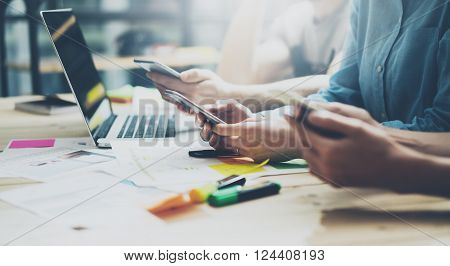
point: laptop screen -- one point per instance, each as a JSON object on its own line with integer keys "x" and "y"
{"x": 76, "y": 59}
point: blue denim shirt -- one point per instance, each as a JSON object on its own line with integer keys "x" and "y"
{"x": 397, "y": 64}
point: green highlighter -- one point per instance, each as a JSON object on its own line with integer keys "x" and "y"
{"x": 238, "y": 194}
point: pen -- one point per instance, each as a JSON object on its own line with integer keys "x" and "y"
{"x": 238, "y": 194}
{"x": 201, "y": 194}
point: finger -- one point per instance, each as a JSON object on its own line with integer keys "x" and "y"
{"x": 206, "y": 132}
{"x": 301, "y": 136}
{"x": 316, "y": 142}
{"x": 222, "y": 143}
{"x": 217, "y": 107}
{"x": 162, "y": 91}
{"x": 170, "y": 83}
{"x": 346, "y": 110}
{"x": 214, "y": 141}
{"x": 336, "y": 123}
{"x": 196, "y": 75}
{"x": 229, "y": 130}
{"x": 200, "y": 119}
{"x": 302, "y": 109}
{"x": 230, "y": 143}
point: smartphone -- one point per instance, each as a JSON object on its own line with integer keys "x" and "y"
{"x": 188, "y": 104}
{"x": 153, "y": 66}
{"x": 300, "y": 115}
{"x": 213, "y": 154}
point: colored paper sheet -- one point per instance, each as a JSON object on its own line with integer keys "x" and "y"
{"x": 227, "y": 169}
{"x": 32, "y": 143}
{"x": 293, "y": 164}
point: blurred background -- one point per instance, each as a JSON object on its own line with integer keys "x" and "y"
{"x": 117, "y": 30}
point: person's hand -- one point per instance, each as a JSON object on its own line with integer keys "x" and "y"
{"x": 199, "y": 85}
{"x": 230, "y": 111}
{"x": 364, "y": 157}
{"x": 259, "y": 139}
{"x": 349, "y": 111}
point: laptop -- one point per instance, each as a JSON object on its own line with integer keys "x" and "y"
{"x": 84, "y": 81}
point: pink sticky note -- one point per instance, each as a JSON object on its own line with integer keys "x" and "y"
{"x": 32, "y": 143}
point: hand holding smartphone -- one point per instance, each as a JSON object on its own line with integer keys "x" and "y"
{"x": 302, "y": 109}
{"x": 153, "y": 66}
{"x": 186, "y": 103}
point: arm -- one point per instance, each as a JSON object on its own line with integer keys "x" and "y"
{"x": 240, "y": 42}
{"x": 430, "y": 143}
{"x": 278, "y": 93}
{"x": 246, "y": 59}
{"x": 424, "y": 174}
{"x": 437, "y": 117}
{"x": 347, "y": 162}
{"x": 202, "y": 86}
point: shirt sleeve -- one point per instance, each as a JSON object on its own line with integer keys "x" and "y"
{"x": 437, "y": 117}
{"x": 344, "y": 85}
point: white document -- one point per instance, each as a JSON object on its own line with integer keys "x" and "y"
{"x": 43, "y": 165}
{"x": 59, "y": 195}
{"x": 8, "y": 179}
{"x": 163, "y": 165}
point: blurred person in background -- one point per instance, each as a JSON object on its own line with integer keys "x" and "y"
{"x": 296, "y": 54}
{"x": 304, "y": 40}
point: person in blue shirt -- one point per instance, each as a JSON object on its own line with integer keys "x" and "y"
{"x": 398, "y": 64}
{"x": 396, "y": 68}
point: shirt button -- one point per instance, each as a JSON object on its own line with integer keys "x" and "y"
{"x": 383, "y": 115}
{"x": 379, "y": 69}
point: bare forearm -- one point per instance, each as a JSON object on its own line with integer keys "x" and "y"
{"x": 430, "y": 143}
{"x": 424, "y": 174}
{"x": 281, "y": 92}
{"x": 240, "y": 42}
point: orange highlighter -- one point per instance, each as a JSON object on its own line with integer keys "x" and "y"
{"x": 201, "y": 194}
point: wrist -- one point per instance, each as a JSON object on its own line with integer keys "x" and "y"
{"x": 411, "y": 171}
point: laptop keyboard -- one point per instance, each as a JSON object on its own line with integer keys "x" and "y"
{"x": 148, "y": 127}
{"x": 131, "y": 128}
{"x": 103, "y": 130}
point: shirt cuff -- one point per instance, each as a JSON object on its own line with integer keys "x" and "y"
{"x": 317, "y": 97}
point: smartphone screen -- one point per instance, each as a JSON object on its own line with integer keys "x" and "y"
{"x": 181, "y": 99}
{"x": 153, "y": 66}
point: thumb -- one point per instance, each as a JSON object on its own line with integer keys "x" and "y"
{"x": 196, "y": 75}
{"x": 336, "y": 123}
{"x": 229, "y": 130}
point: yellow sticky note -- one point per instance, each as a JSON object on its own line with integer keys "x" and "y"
{"x": 227, "y": 169}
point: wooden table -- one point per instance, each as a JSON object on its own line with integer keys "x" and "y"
{"x": 307, "y": 212}
{"x": 21, "y": 125}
